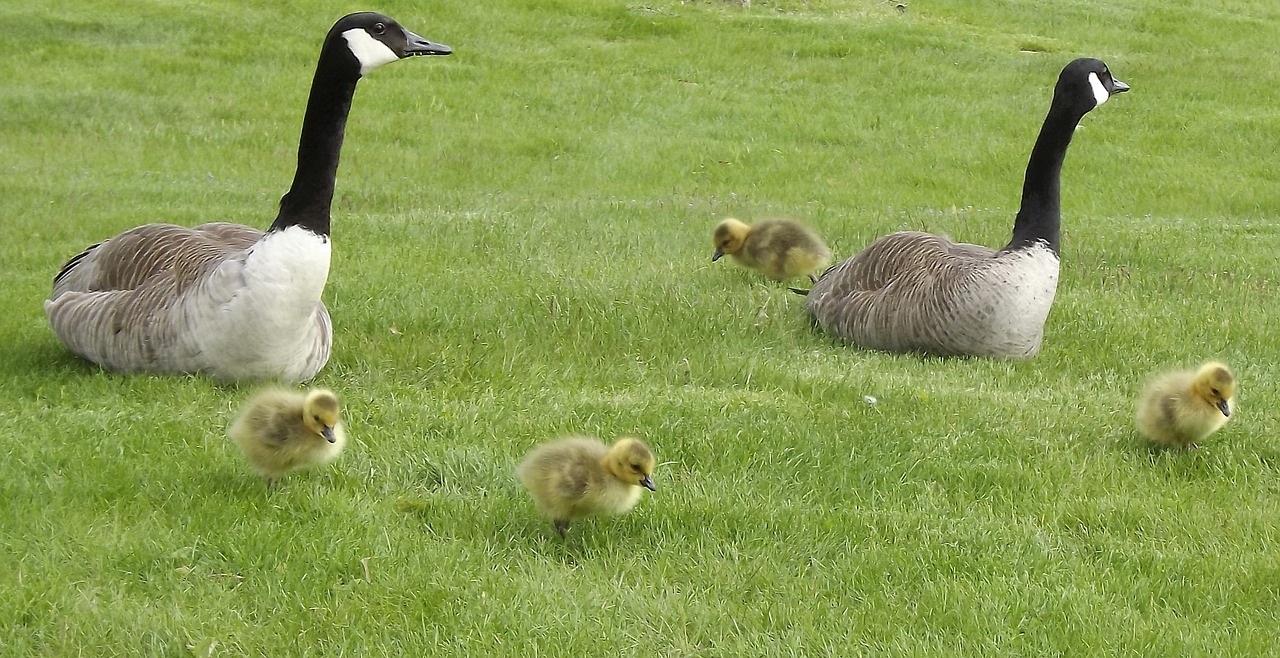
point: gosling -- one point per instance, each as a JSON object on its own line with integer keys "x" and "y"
{"x": 281, "y": 430}
{"x": 1177, "y": 409}
{"x": 781, "y": 249}
{"x": 580, "y": 476}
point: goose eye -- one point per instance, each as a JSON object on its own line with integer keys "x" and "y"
{"x": 379, "y": 28}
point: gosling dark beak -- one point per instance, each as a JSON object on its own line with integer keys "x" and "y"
{"x": 416, "y": 45}
{"x": 647, "y": 483}
{"x": 716, "y": 256}
{"x": 328, "y": 435}
{"x": 1120, "y": 87}
{"x": 1224, "y": 408}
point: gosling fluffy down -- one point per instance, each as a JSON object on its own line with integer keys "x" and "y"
{"x": 580, "y": 476}
{"x": 781, "y": 249}
{"x": 281, "y": 430}
{"x": 1178, "y": 409}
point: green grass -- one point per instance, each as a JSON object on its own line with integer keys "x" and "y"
{"x": 522, "y": 247}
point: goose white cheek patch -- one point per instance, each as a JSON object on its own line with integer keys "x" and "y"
{"x": 1099, "y": 92}
{"x": 371, "y": 52}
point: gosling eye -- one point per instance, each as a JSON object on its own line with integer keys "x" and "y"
{"x": 317, "y": 419}
{"x": 635, "y": 468}
{"x": 1215, "y": 392}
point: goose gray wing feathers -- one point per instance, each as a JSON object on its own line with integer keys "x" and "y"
{"x": 132, "y": 258}
{"x": 918, "y": 292}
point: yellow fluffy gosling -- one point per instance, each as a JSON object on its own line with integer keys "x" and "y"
{"x": 282, "y": 430}
{"x": 1177, "y": 409}
{"x": 580, "y": 476}
{"x": 781, "y": 249}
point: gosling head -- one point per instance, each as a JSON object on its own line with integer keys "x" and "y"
{"x": 631, "y": 461}
{"x": 374, "y": 39}
{"x": 728, "y": 237}
{"x": 321, "y": 413}
{"x": 1215, "y": 384}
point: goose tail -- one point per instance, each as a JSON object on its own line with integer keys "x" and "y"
{"x": 71, "y": 264}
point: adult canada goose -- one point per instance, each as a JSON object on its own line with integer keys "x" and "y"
{"x": 281, "y": 430}
{"x": 779, "y": 248}
{"x": 224, "y": 299}
{"x": 580, "y": 476}
{"x": 1177, "y": 409}
{"x": 916, "y": 292}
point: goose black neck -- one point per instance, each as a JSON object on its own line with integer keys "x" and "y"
{"x": 308, "y": 200}
{"x": 1040, "y": 217}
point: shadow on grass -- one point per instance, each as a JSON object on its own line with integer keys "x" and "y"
{"x": 45, "y": 356}
{"x": 513, "y": 526}
{"x": 239, "y": 485}
{"x": 1213, "y": 459}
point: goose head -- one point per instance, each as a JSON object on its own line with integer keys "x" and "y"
{"x": 1215, "y": 384}
{"x": 321, "y": 413}
{"x": 630, "y": 461}
{"x": 372, "y": 39}
{"x": 728, "y": 237}
{"x": 1085, "y": 84}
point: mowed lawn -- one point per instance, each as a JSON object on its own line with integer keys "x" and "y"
{"x": 522, "y": 251}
